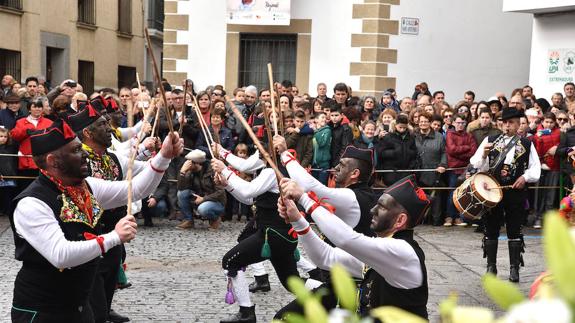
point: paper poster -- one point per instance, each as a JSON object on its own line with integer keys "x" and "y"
{"x": 258, "y": 12}
{"x": 561, "y": 65}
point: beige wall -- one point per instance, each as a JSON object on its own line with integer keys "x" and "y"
{"x": 101, "y": 45}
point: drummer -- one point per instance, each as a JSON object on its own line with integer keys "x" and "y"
{"x": 513, "y": 161}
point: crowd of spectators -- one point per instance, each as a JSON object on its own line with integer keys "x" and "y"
{"x": 421, "y": 133}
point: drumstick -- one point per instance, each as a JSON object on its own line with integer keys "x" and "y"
{"x": 500, "y": 187}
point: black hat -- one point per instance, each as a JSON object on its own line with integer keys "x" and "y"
{"x": 412, "y": 198}
{"x": 103, "y": 105}
{"x": 358, "y": 153}
{"x": 510, "y": 113}
{"x": 51, "y": 138}
{"x": 85, "y": 116}
{"x": 12, "y": 98}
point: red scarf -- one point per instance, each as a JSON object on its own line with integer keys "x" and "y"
{"x": 79, "y": 194}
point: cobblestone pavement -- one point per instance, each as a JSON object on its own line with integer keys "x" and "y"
{"x": 177, "y": 277}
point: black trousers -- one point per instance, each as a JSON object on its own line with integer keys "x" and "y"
{"x": 25, "y": 315}
{"x": 248, "y": 251}
{"x": 105, "y": 283}
{"x": 511, "y": 211}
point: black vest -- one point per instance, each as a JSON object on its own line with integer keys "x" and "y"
{"x": 376, "y": 291}
{"x": 367, "y": 199}
{"x": 508, "y": 174}
{"x": 39, "y": 285}
{"x": 112, "y": 216}
{"x": 267, "y": 214}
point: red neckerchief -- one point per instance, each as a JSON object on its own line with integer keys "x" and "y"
{"x": 80, "y": 194}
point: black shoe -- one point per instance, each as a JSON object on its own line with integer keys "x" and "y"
{"x": 492, "y": 269}
{"x": 516, "y": 248}
{"x": 315, "y": 274}
{"x": 245, "y": 315}
{"x": 117, "y": 318}
{"x": 148, "y": 223}
{"x": 261, "y": 283}
{"x": 124, "y": 286}
{"x": 490, "y": 252}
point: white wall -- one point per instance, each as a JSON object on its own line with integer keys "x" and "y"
{"x": 206, "y": 40}
{"x": 538, "y": 6}
{"x": 331, "y": 50}
{"x": 553, "y": 31}
{"x": 462, "y": 45}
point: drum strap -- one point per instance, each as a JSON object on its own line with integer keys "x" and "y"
{"x": 503, "y": 154}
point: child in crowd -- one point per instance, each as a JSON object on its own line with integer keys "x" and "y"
{"x": 300, "y": 138}
{"x": 321, "y": 148}
{"x": 546, "y": 141}
{"x": 239, "y": 208}
{"x": 8, "y": 167}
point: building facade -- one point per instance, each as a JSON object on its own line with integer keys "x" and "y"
{"x": 371, "y": 45}
{"x": 552, "y": 62}
{"x": 100, "y": 43}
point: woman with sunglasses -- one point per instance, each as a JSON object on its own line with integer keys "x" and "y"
{"x": 565, "y": 149}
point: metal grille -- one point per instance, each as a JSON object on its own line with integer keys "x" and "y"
{"x": 257, "y": 50}
{"x": 87, "y": 11}
{"x": 156, "y": 14}
{"x": 86, "y": 76}
{"x": 10, "y": 63}
{"x": 12, "y": 4}
{"x": 126, "y": 76}
{"x": 125, "y": 16}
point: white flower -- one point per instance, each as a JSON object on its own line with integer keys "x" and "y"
{"x": 540, "y": 311}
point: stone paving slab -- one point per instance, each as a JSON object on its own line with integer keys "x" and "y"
{"x": 177, "y": 274}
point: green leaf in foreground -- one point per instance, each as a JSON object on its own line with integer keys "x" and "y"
{"x": 297, "y": 287}
{"x": 345, "y": 288}
{"x": 559, "y": 250}
{"x": 502, "y": 293}
{"x": 314, "y": 311}
{"x": 396, "y": 315}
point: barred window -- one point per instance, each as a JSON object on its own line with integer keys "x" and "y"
{"x": 126, "y": 76}
{"x": 12, "y": 4}
{"x": 257, "y": 50}
{"x": 86, "y": 75}
{"x": 87, "y": 11}
{"x": 125, "y": 16}
{"x": 10, "y": 63}
{"x": 156, "y": 14}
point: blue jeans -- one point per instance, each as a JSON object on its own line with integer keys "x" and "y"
{"x": 209, "y": 209}
{"x": 451, "y": 210}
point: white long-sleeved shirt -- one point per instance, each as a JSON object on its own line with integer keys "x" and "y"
{"x": 245, "y": 191}
{"x": 343, "y": 199}
{"x": 249, "y": 165}
{"x": 35, "y": 221}
{"x": 532, "y": 173}
{"x": 393, "y": 259}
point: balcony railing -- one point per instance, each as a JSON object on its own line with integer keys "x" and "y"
{"x": 156, "y": 14}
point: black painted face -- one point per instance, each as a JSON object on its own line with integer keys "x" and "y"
{"x": 72, "y": 160}
{"x": 384, "y": 214}
{"x": 101, "y": 132}
{"x": 343, "y": 171}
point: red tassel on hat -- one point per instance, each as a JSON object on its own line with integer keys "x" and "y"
{"x": 68, "y": 132}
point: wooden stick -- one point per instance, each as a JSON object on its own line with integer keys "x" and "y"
{"x": 203, "y": 122}
{"x": 159, "y": 80}
{"x": 184, "y": 111}
{"x": 200, "y": 119}
{"x": 269, "y": 135}
{"x": 270, "y": 75}
{"x": 156, "y": 118}
{"x": 252, "y": 135}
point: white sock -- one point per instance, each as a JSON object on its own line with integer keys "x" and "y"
{"x": 259, "y": 269}
{"x": 241, "y": 289}
{"x": 305, "y": 265}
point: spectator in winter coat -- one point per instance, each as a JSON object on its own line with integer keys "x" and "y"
{"x": 218, "y": 130}
{"x": 300, "y": 138}
{"x": 21, "y": 134}
{"x": 486, "y": 127}
{"x": 321, "y": 147}
{"x": 431, "y": 151}
{"x": 459, "y": 147}
{"x": 368, "y": 139}
{"x": 8, "y": 167}
{"x": 341, "y": 134}
{"x": 546, "y": 141}
{"x": 12, "y": 112}
{"x": 397, "y": 150}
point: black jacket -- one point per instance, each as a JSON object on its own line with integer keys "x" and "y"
{"x": 396, "y": 151}
{"x": 341, "y": 137}
{"x": 567, "y": 141}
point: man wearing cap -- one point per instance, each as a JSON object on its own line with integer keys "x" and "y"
{"x": 196, "y": 187}
{"x": 352, "y": 199}
{"x": 96, "y": 136}
{"x": 392, "y": 264}
{"x": 12, "y": 112}
{"x": 56, "y": 226}
{"x": 513, "y": 161}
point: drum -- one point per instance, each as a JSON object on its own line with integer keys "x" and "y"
{"x": 477, "y": 195}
